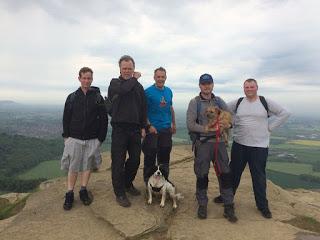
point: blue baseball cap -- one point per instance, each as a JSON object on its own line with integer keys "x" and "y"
{"x": 205, "y": 78}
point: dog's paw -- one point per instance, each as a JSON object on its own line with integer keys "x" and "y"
{"x": 175, "y": 206}
{"x": 161, "y": 204}
{"x": 150, "y": 201}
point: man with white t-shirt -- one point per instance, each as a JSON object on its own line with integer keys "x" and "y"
{"x": 254, "y": 119}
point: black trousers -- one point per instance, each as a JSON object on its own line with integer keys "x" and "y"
{"x": 157, "y": 147}
{"x": 124, "y": 171}
{"x": 257, "y": 159}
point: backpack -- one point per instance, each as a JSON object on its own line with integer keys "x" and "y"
{"x": 262, "y": 100}
{"x": 194, "y": 136}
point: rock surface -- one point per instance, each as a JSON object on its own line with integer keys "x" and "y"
{"x": 44, "y": 218}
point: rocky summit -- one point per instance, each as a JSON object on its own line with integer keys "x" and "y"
{"x": 296, "y": 213}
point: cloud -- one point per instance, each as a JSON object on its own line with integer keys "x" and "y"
{"x": 47, "y": 42}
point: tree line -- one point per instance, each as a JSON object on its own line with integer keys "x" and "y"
{"x": 19, "y": 153}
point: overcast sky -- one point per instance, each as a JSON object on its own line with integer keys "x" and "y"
{"x": 43, "y": 45}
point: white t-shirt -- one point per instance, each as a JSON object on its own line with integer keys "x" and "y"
{"x": 252, "y": 127}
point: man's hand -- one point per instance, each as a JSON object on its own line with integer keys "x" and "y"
{"x": 152, "y": 129}
{"x": 173, "y": 128}
{"x": 64, "y": 140}
{"x": 143, "y": 133}
{"x": 137, "y": 75}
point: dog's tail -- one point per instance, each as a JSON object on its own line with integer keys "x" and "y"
{"x": 179, "y": 196}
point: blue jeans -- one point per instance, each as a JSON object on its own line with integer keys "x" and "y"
{"x": 257, "y": 159}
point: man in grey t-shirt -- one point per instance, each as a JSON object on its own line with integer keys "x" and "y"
{"x": 253, "y": 123}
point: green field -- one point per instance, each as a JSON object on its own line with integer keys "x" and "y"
{"x": 286, "y": 180}
{"x": 47, "y": 169}
{"x": 291, "y": 168}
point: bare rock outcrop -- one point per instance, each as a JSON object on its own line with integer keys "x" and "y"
{"x": 44, "y": 218}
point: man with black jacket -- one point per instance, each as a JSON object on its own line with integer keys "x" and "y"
{"x": 129, "y": 119}
{"x": 85, "y": 123}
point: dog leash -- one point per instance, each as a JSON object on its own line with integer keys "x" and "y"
{"x": 216, "y": 146}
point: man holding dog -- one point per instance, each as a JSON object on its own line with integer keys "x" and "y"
{"x": 161, "y": 124}
{"x": 85, "y": 125}
{"x": 254, "y": 119}
{"x": 209, "y": 146}
{"x": 129, "y": 119}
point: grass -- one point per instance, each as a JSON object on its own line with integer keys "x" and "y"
{"x": 286, "y": 180}
{"x": 306, "y": 154}
{"x": 291, "y": 168}
{"x": 304, "y": 222}
{"x": 313, "y": 143}
{"x": 8, "y": 209}
{"x": 47, "y": 169}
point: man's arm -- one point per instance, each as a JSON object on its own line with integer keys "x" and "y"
{"x": 67, "y": 113}
{"x": 144, "y": 117}
{"x": 173, "y": 121}
{"x": 103, "y": 116}
{"x": 192, "y": 125}
{"x": 232, "y": 106}
{"x": 278, "y": 115}
{"x": 121, "y": 87}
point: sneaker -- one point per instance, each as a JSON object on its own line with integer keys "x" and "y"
{"x": 84, "y": 197}
{"x": 266, "y": 213}
{"x": 68, "y": 201}
{"x": 202, "y": 212}
{"x": 229, "y": 213}
{"x": 123, "y": 201}
{"x": 218, "y": 199}
{"x": 132, "y": 191}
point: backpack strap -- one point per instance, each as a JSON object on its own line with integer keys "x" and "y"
{"x": 238, "y": 103}
{"x": 218, "y": 102}
{"x": 264, "y": 103}
{"x": 198, "y": 108}
{"x": 262, "y": 100}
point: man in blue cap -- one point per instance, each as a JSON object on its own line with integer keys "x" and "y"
{"x": 209, "y": 146}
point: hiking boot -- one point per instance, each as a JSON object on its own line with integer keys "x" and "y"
{"x": 218, "y": 199}
{"x": 266, "y": 213}
{"x": 202, "y": 212}
{"x": 229, "y": 213}
{"x": 68, "y": 201}
{"x": 132, "y": 191}
{"x": 84, "y": 197}
{"x": 123, "y": 201}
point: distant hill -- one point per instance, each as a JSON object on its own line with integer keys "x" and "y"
{"x": 6, "y": 102}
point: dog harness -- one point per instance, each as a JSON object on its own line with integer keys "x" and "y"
{"x": 156, "y": 189}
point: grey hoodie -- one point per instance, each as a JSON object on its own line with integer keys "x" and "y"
{"x": 199, "y": 126}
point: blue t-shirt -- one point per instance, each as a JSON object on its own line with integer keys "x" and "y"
{"x": 159, "y": 102}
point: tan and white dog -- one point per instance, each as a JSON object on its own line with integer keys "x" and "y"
{"x": 217, "y": 116}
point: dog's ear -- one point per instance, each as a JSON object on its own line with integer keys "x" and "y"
{"x": 164, "y": 171}
{"x": 150, "y": 171}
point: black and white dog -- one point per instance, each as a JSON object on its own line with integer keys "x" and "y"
{"x": 158, "y": 182}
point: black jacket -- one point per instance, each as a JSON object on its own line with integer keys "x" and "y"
{"x": 130, "y": 107}
{"x": 85, "y": 116}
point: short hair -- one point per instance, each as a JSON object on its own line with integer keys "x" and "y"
{"x": 126, "y": 58}
{"x": 84, "y": 70}
{"x": 162, "y": 69}
{"x": 250, "y": 80}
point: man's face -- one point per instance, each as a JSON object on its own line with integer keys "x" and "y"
{"x": 206, "y": 88}
{"x": 126, "y": 69}
{"x": 85, "y": 79}
{"x": 250, "y": 89}
{"x": 160, "y": 78}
